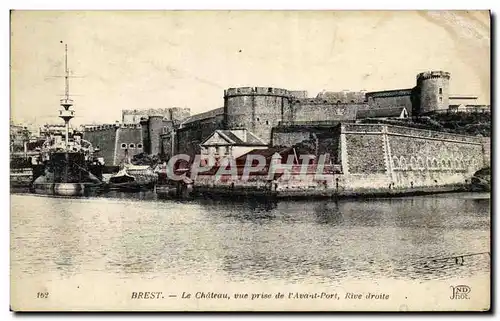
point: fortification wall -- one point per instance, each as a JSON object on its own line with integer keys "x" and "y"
{"x": 343, "y": 97}
{"x": 146, "y": 142}
{"x": 189, "y": 137}
{"x": 133, "y": 116}
{"x": 104, "y": 138}
{"x": 433, "y": 89}
{"x": 313, "y": 109}
{"x": 364, "y": 149}
{"x": 155, "y": 129}
{"x": 409, "y": 157}
{"x": 167, "y": 145}
{"x": 388, "y": 99}
{"x": 486, "y": 151}
{"x": 257, "y": 109}
{"x": 178, "y": 114}
{"x": 129, "y": 139}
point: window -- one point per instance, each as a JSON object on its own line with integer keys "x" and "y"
{"x": 258, "y": 119}
{"x": 440, "y": 91}
{"x": 269, "y": 90}
{"x": 440, "y": 99}
{"x": 267, "y": 122}
{"x": 132, "y": 145}
{"x": 139, "y": 145}
{"x": 124, "y": 146}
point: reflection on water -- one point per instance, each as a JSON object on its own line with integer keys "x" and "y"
{"x": 120, "y": 235}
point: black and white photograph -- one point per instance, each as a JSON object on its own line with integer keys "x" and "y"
{"x": 250, "y": 160}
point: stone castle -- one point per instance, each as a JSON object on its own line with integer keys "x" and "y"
{"x": 261, "y": 117}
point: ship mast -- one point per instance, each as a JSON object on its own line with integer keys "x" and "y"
{"x": 66, "y": 114}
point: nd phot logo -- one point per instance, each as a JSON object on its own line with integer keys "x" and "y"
{"x": 460, "y": 292}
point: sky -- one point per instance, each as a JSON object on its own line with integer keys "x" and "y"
{"x": 160, "y": 59}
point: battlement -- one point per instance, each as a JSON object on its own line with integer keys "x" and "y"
{"x": 146, "y": 112}
{"x": 433, "y": 74}
{"x": 389, "y": 93}
{"x": 267, "y": 91}
{"x": 107, "y": 127}
{"x": 325, "y": 101}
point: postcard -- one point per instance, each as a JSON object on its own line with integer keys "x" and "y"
{"x": 250, "y": 160}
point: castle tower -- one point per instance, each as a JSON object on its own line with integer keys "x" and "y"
{"x": 433, "y": 89}
{"x": 145, "y": 135}
{"x": 258, "y": 109}
{"x": 155, "y": 127}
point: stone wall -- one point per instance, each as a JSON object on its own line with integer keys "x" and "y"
{"x": 391, "y": 98}
{"x": 129, "y": 141}
{"x": 258, "y": 109}
{"x": 410, "y": 157}
{"x": 311, "y": 110}
{"x": 365, "y": 153}
{"x": 105, "y": 140}
{"x": 189, "y": 137}
{"x": 133, "y": 116}
{"x": 114, "y": 140}
{"x": 487, "y": 151}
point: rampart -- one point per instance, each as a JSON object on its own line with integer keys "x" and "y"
{"x": 403, "y": 157}
{"x": 114, "y": 139}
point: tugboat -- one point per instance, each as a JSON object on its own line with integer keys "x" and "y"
{"x": 67, "y": 167}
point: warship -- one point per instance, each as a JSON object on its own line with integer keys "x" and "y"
{"x": 67, "y": 166}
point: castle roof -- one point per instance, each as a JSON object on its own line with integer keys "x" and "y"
{"x": 387, "y": 112}
{"x": 389, "y": 93}
{"x": 208, "y": 114}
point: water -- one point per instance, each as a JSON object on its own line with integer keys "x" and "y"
{"x": 126, "y": 236}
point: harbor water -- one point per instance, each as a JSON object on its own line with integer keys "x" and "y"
{"x": 138, "y": 235}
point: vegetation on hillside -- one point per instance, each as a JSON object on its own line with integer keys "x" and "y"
{"x": 458, "y": 123}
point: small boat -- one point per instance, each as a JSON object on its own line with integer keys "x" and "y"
{"x": 133, "y": 177}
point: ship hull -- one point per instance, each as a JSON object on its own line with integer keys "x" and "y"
{"x": 67, "y": 189}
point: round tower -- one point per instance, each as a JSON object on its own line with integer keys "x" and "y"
{"x": 155, "y": 127}
{"x": 145, "y": 135}
{"x": 257, "y": 109}
{"x": 433, "y": 91}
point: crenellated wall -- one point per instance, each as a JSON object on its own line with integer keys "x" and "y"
{"x": 133, "y": 116}
{"x": 103, "y": 137}
{"x": 113, "y": 140}
{"x": 312, "y": 109}
{"x": 257, "y": 109}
